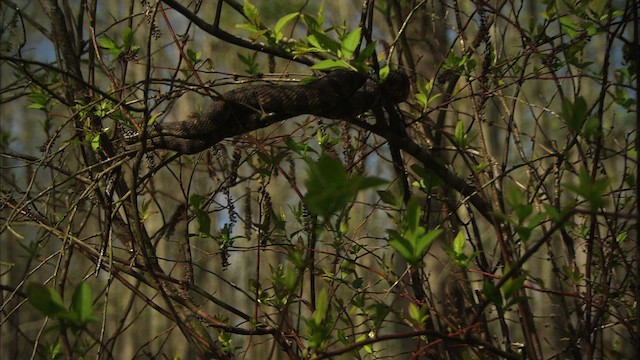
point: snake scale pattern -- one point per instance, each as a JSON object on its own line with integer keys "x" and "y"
{"x": 341, "y": 94}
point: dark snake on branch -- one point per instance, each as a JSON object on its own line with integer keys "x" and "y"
{"x": 341, "y": 94}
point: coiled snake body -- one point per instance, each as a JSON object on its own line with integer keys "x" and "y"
{"x": 341, "y": 94}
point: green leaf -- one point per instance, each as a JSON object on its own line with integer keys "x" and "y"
{"x": 39, "y": 100}
{"x": 350, "y": 43}
{"x": 597, "y": 6}
{"x": 512, "y": 286}
{"x": 251, "y": 12}
{"x": 194, "y": 56}
{"x": 95, "y": 142}
{"x": 250, "y": 28}
{"x": 569, "y": 27}
{"x": 250, "y": 61}
{"x": 457, "y": 64}
{"x": 515, "y": 196}
{"x": 110, "y": 45}
{"x": 204, "y": 222}
{"x": 331, "y": 64}
{"x": 323, "y": 43}
{"x": 413, "y": 242}
{"x": 389, "y": 198}
{"x": 575, "y": 276}
{"x": 298, "y": 147}
{"x": 418, "y": 315}
{"x": 320, "y": 14}
{"x": 492, "y": 293}
{"x": 365, "y": 54}
{"x": 423, "y": 241}
{"x": 329, "y": 189}
{"x": 327, "y": 186}
{"x": 256, "y": 32}
{"x": 127, "y": 38}
{"x": 458, "y": 244}
{"x": 592, "y": 191}
{"x": 282, "y": 22}
{"x": 425, "y": 93}
{"x": 552, "y": 212}
{"x": 311, "y": 22}
{"x": 359, "y": 183}
{"x": 429, "y": 179}
{"x": 45, "y": 299}
{"x": 52, "y": 351}
{"x": 82, "y": 303}
{"x": 153, "y": 119}
{"x": 107, "y": 42}
{"x": 413, "y": 215}
{"x": 322, "y": 306}
{"x": 574, "y": 114}
{"x": 290, "y": 279}
{"x": 384, "y": 72}
{"x": 402, "y": 246}
{"x": 36, "y": 106}
{"x": 457, "y": 253}
{"x": 461, "y": 135}
{"x": 523, "y": 211}
{"x": 414, "y": 311}
{"x": 524, "y": 231}
{"x": 592, "y": 127}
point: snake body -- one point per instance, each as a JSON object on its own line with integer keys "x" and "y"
{"x": 341, "y": 94}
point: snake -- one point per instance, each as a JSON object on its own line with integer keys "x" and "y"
{"x": 340, "y": 94}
